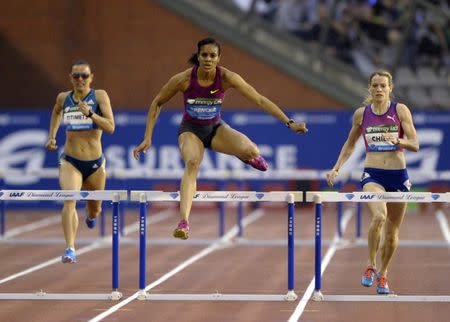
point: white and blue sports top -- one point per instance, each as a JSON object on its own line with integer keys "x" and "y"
{"x": 73, "y": 118}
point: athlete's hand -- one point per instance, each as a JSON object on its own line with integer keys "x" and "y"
{"x": 390, "y": 138}
{"x": 51, "y": 144}
{"x": 143, "y": 147}
{"x": 298, "y": 127}
{"x": 84, "y": 108}
{"x": 330, "y": 176}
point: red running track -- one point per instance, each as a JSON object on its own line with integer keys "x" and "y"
{"x": 420, "y": 267}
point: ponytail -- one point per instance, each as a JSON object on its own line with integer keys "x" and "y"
{"x": 193, "y": 60}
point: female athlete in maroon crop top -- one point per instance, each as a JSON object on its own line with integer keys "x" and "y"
{"x": 203, "y": 87}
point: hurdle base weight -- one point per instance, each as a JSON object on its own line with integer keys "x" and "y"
{"x": 291, "y": 296}
{"x": 142, "y": 295}
{"x": 317, "y": 296}
{"x": 115, "y": 295}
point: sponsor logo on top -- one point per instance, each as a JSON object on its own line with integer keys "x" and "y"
{"x": 230, "y": 196}
{"x": 387, "y": 197}
{"x": 43, "y": 194}
{"x": 16, "y": 194}
{"x": 84, "y": 194}
{"x": 435, "y": 196}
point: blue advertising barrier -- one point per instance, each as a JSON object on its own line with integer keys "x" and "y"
{"x": 24, "y": 134}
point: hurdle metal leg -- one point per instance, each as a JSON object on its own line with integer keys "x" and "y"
{"x": 291, "y": 296}
{"x": 115, "y": 295}
{"x": 317, "y": 295}
{"x": 142, "y": 247}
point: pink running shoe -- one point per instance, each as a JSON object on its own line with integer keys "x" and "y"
{"x": 258, "y": 163}
{"x": 182, "y": 231}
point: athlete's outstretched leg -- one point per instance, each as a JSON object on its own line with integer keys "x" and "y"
{"x": 192, "y": 151}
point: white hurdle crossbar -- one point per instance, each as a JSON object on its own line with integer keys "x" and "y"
{"x": 318, "y": 197}
{"x": 219, "y": 196}
{"x": 359, "y": 196}
{"x": 290, "y": 197}
{"x": 104, "y": 195}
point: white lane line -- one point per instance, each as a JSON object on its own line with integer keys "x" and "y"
{"x": 387, "y": 298}
{"x": 253, "y": 216}
{"x": 325, "y": 261}
{"x": 443, "y": 223}
{"x": 101, "y": 242}
{"x": 30, "y": 227}
{"x": 51, "y": 262}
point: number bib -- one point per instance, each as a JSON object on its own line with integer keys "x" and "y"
{"x": 375, "y": 140}
{"x": 203, "y": 108}
{"x": 75, "y": 120}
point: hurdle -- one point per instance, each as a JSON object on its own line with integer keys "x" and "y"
{"x": 290, "y": 197}
{"x": 220, "y": 176}
{"x": 318, "y": 197}
{"x": 104, "y": 195}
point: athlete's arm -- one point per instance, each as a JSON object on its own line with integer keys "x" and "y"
{"x": 411, "y": 142}
{"x": 106, "y": 120}
{"x": 173, "y": 86}
{"x": 349, "y": 145}
{"x": 55, "y": 122}
{"x": 234, "y": 80}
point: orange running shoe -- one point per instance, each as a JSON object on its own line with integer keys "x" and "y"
{"x": 382, "y": 284}
{"x": 368, "y": 277}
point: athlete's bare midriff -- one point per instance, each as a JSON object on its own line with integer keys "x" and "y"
{"x": 385, "y": 160}
{"x": 84, "y": 145}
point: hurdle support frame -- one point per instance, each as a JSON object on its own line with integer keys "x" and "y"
{"x": 115, "y": 196}
{"x": 290, "y": 197}
{"x": 318, "y": 197}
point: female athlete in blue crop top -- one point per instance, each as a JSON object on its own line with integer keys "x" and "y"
{"x": 203, "y": 87}
{"x": 86, "y": 113}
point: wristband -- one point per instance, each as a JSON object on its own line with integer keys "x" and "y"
{"x": 398, "y": 141}
{"x": 90, "y": 113}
